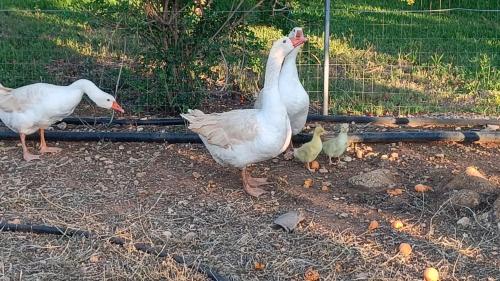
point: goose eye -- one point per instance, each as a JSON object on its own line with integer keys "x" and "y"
{"x": 284, "y": 41}
{"x": 108, "y": 100}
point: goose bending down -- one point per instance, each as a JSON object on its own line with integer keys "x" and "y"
{"x": 242, "y": 137}
{"x": 34, "y": 107}
{"x": 292, "y": 93}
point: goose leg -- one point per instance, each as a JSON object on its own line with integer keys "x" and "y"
{"x": 26, "y": 153}
{"x": 250, "y": 184}
{"x": 330, "y": 160}
{"x": 43, "y": 145}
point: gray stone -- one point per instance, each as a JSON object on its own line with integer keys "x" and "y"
{"x": 465, "y": 198}
{"x": 376, "y": 180}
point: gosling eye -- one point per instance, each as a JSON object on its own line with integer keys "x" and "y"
{"x": 284, "y": 41}
{"x": 108, "y": 100}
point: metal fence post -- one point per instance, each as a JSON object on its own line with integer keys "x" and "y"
{"x": 326, "y": 47}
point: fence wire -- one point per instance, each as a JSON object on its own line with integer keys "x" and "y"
{"x": 386, "y": 57}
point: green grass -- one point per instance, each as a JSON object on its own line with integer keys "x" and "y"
{"x": 381, "y": 62}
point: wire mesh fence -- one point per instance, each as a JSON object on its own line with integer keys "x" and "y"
{"x": 389, "y": 57}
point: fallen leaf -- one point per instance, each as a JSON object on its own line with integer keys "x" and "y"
{"x": 394, "y": 191}
{"x": 422, "y": 188}
{"x": 311, "y": 275}
{"x": 308, "y": 183}
{"x": 259, "y": 266}
{"x": 290, "y": 220}
{"x": 431, "y": 274}
{"x": 373, "y": 225}
{"x": 314, "y": 165}
{"x": 405, "y": 249}
{"x": 397, "y": 224}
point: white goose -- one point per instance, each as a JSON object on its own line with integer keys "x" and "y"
{"x": 37, "y": 106}
{"x": 242, "y": 137}
{"x": 293, "y": 95}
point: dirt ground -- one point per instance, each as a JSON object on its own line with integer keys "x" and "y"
{"x": 176, "y": 197}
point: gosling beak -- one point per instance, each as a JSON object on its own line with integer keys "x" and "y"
{"x": 299, "y": 39}
{"x": 115, "y": 106}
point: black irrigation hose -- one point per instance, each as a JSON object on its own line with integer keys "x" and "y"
{"x": 369, "y": 137}
{"x": 144, "y": 247}
{"x": 413, "y": 122}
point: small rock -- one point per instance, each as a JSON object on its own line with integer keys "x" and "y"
{"x": 62, "y": 125}
{"x": 343, "y": 215}
{"x": 196, "y": 175}
{"x": 347, "y": 159}
{"x": 121, "y": 147}
{"x": 439, "y": 155}
{"x": 465, "y": 221}
{"x": 471, "y": 179}
{"x": 384, "y": 157}
{"x": 140, "y": 174}
{"x": 109, "y": 172}
{"x": 140, "y": 129}
{"x": 323, "y": 170}
{"x": 394, "y": 155}
{"x": 88, "y": 158}
{"x": 377, "y": 180}
{"x": 136, "y": 182}
{"x": 465, "y": 198}
{"x": 94, "y": 258}
{"x": 458, "y": 129}
{"x": 190, "y": 236}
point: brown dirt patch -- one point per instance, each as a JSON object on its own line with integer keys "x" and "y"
{"x": 151, "y": 193}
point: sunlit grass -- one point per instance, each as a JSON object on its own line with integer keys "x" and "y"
{"x": 391, "y": 62}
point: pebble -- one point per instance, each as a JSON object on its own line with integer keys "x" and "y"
{"x": 384, "y": 157}
{"x": 88, "y": 158}
{"x": 167, "y": 234}
{"x": 140, "y": 174}
{"x": 343, "y": 215}
{"x": 465, "y": 221}
{"x": 136, "y": 182}
{"x": 439, "y": 155}
{"x": 121, "y": 147}
{"x": 140, "y": 129}
{"x": 323, "y": 170}
{"x": 62, "y": 125}
{"x": 190, "y": 236}
{"x": 109, "y": 172}
{"x": 347, "y": 159}
{"x": 394, "y": 155}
